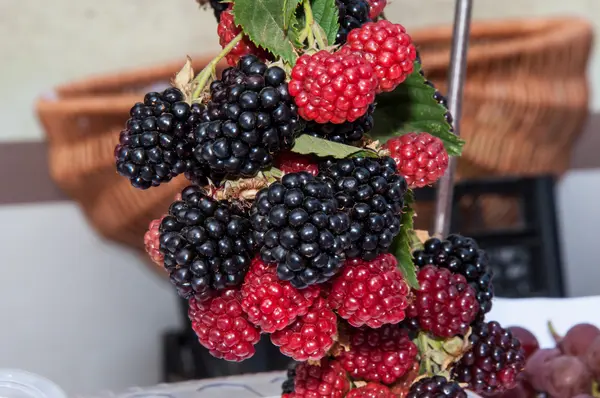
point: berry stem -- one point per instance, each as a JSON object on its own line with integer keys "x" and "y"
{"x": 310, "y": 20}
{"x": 210, "y": 70}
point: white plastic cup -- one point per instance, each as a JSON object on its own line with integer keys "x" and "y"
{"x": 15, "y": 383}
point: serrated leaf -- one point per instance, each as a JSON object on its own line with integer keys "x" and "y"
{"x": 309, "y": 145}
{"x": 325, "y": 13}
{"x": 289, "y": 10}
{"x": 411, "y": 107}
{"x": 263, "y": 21}
{"x": 401, "y": 247}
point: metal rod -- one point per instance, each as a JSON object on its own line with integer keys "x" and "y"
{"x": 458, "y": 67}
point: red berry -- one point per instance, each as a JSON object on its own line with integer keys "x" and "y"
{"x": 222, "y": 327}
{"x": 310, "y": 336}
{"x": 151, "y": 242}
{"x": 445, "y": 304}
{"x": 227, "y": 31}
{"x": 371, "y": 293}
{"x": 381, "y": 355}
{"x": 291, "y": 162}
{"x": 388, "y": 48}
{"x": 376, "y": 8}
{"x": 371, "y": 390}
{"x": 326, "y": 380}
{"x": 332, "y": 88}
{"x": 421, "y": 158}
{"x": 273, "y": 304}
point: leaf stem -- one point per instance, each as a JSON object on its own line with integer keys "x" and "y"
{"x": 310, "y": 20}
{"x": 210, "y": 70}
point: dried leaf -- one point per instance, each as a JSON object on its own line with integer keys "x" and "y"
{"x": 184, "y": 80}
{"x": 360, "y": 383}
{"x": 422, "y": 235}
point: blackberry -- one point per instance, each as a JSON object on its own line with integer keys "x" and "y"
{"x": 436, "y": 386}
{"x": 155, "y": 145}
{"x": 461, "y": 255}
{"x": 207, "y": 244}
{"x": 345, "y": 133}
{"x": 287, "y": 386}
{"x": 297, "y": 225}
{"x": 352, "y": 14}
{"x": 251, "y": 116}
{"x": 218, "y": 7}
{"x": 371, "y": 192}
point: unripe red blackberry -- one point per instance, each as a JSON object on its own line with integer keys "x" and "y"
{"x": 324, "y": 380}
{"x": 298, "y": 227}
{"x": 436, "y": 386}
{"x": 152, "y": 242}
{"x": 371, "y": 390}
{"x": 345, "y": 133}
{"x": 206, "y": 244}
{"x": 251, "y": 118}
{"x": 227, "y": 31}
{"x": 352, "y": 14}
{"x": 372, "y": 193}
{"x": 290, "y": 162}
{"x": 376, "y": 8}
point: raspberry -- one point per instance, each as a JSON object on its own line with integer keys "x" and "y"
{"x": 380, "y": 355}
{"x": 227, "y": 31}
{"x": 333, "y": 88}
{"x": 298, "y": 227}
{"x": 421, "y": 158}
{"x": 290, "y": 162}
{"x": 494, "y": 361}
{"x": 206, "y": 244}
{"x": 371, "y": 390}
{"x": 152, "y": 242}
{"x": 270, "y": 303}
{"x": 445, "y": 305}
{"x": 155, "y": 146}
{"x": 372, "y": 193}
{"x": 345, "y": 133}
{"x": 376, "y": 8}
{"x": 221, "y": 326}
{"x": 461, "y": 255}
{"x": 287, "y": 387}
{"x": 352, "y": 14}
{"x": 325, "y": 380}
{"x": 388, "y": 48}
{"x": 251, "y": 117}
{"x": 436, "y": 386}
{"x": 310, "y": 336}
{"x": 371, "y": 293}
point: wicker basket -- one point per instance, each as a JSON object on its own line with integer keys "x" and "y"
{"x": 525, "y": 101}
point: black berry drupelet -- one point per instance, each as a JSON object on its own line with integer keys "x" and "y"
{"x": 218, "y": 7}
{"x": 251, "y": 117}
{"x": 352, "y": 14}
{"x": 287, "y": 386}
{"x": 297, "y": 225}
{"x": 436, "y": 387}
{"x": 207, "y": 244}
{"x": 461, "y": 255}
{"x": 345, "y": 133}
{"x": 155, "y": 145}
{"x": 371, "y": 192}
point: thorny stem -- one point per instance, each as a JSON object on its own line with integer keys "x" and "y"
{"x": 210, "y": 70}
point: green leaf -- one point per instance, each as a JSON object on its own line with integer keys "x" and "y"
{"x": 401, "y": 247}
{"x": 264, "y": 22}
{"x": 325, "y": 13}
{"x": 412, "y": 108}
{"x": 309, "y": 145}
{"x": 289, "y": 11}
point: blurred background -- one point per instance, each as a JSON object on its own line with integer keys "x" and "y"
{"x": 81, "y": 305}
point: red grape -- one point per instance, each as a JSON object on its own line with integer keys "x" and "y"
{"x": 583, "y": 396}
{"x": 567, "y": 376}
{"x": 520, "y": 391}
{"x": 578, "y": 339}
{"x": 592, "y": 358}
{"x": 536, "y": 368}
{"x": 527, "y": 339}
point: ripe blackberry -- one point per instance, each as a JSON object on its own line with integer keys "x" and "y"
{"x": 461, "y": 255}
{"x": 287, "y": 387}
{"x": 222, "y": 327}
{"x": 371, "y": 293}
{"x": 345, "y": 133}
{"x": 218, "y": 7}
{"x": 152, "y": 242}
{"x": 290, "y": 162}
{"x": 494, "y": 361}
{"x": 376, "y": 8}
{"x": 325, "y": 380}
{"x": 421, "y": 158}
{"x": 155, "y": 147}
{"x": 297, "y": 225}
{"x": 206, "y": 244}
{"x": 371, "y": 390}
{"x": 252, "y": 117}
{"x": 310, "y": 336}
{"x": 445, "y": 304}
{"x": 372, "y": 193}
{"x": 227, "y": 31}
{"x": 436, "y": 386}
{"x": 273, "y": 304}
{"x": 332, "y": 87}
{"x": 352, "y": 14}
